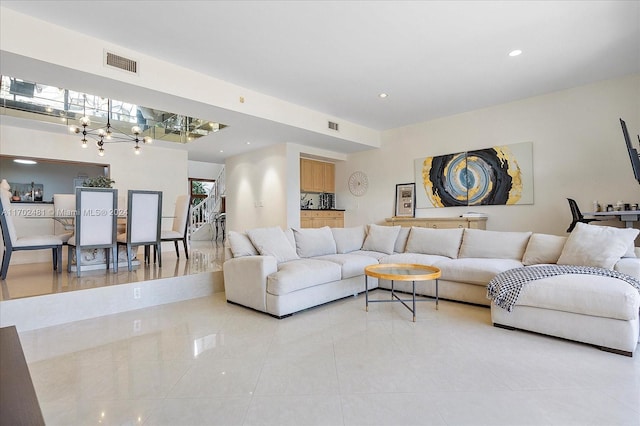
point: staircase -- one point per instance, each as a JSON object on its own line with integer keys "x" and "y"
{"x": 201, "y": 222}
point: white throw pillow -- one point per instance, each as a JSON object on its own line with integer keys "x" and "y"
{"x": 401, "y": 241}
{"x": 441, "y": 242}
{"x": 543, "y": 248}
{"x": 314, "y": 241}
{"x": 348, "y": 239}
{"x": 493, "y": 244}
{"x": 381, "y": 238}
{"x": 594, "y": 245}
{"x": 272, "y": 242}
{"x": 240, "y": 244}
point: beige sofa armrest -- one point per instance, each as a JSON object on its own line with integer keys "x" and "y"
{"x": 245, "y": 280}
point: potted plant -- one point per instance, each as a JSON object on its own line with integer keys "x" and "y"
{"x": 98, "y": 182}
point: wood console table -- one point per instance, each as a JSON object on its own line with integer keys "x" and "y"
{"x": 439, "y": 222}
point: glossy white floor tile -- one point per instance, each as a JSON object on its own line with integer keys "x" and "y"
{"x": 206, "y": 362}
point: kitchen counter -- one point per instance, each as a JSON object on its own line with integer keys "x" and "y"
{"x": 321, "y": 210}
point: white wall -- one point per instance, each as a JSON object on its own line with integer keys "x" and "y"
{"x": 257, "y": 189}
{"x": 202, "y": 170}
{"x": 578, "y": 152}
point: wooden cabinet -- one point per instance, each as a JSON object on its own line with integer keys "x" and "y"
{"x": 317, "y": 176}
{"x": 439, "y": 222}
{"x": 329, "y": 171}
{"x": 320, "y": 218}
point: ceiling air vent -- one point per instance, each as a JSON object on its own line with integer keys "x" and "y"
{"x": 333, "y": 126}
{"x": 120, "y": 62}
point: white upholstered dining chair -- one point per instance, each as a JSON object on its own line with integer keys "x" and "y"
{"x": 144, "y": 217}
{"x": 178, "y": 231}
{"x": 95, "y": 225}
{"x": 12, "y": 242}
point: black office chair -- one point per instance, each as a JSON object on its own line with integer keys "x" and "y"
{"x": 577, "y": 216}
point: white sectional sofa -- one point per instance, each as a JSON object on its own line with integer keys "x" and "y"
{"x": 282, "y": 272}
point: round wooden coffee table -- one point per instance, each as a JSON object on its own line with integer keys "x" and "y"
{"x": 401, "y": 272}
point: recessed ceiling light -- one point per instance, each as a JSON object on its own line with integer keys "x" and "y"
{"x": 516, "y": 52}
{"x": 382, "y": 95}
{"x": 248, "y": 143}
{"x": 221, "y": 151}
{"x": 21, "y": 161}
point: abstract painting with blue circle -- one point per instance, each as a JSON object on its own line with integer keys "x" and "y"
{"x": 500, "y": 175}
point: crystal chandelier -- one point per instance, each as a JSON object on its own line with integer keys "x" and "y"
{"x": 108, "y": 133}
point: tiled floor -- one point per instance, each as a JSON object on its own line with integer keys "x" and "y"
{"x": 28, "y": 280}
{"x": 205, "y": 362}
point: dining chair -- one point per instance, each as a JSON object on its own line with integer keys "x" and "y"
{"x": 12, "y": 242}
{"x": 576, "y": 215}
{"x": 144, "y": 220}
{"x": 95, "y": 225}
{"x": 64, "y": 207}
{"x": 178, "y": 231}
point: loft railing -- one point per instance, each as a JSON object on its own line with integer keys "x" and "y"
{"x": 206, "y": 211}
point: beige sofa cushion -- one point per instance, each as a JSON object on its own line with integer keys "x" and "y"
{"x": 583, "y": 294}
{"x": 381, "y": 238}
{"x": 302, "y": 273}
{"x": 240, "y": 244}
{"x": 273, "y": 242}
{"x": 475, "y": 270}
{"x": 312, "y": 242}
{"x": 593, "y": 245}
{"x": 543, "y": 248}
{"x": 351, "y": 265}
{"x": 479, "y": 243}
{"x": 415, "y": 258}
{"x": 348, "y": 239}
{"x": 441, "y": 242}
{"x": 401, "y": 241}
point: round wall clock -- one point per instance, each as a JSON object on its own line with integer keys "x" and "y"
{"x": 358, "y": 183}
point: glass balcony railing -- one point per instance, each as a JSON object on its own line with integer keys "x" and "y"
{"x": 52, "y": 104}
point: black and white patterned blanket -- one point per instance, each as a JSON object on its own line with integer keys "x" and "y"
{"x": 504, "y": 289}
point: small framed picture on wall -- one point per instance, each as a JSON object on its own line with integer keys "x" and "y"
{"x": 405, "y": 199}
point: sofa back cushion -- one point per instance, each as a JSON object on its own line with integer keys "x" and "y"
{"x": 240, "y": 244}
{"x": 543, "y": 248}
{"x": 273, "y": 242}
{"x": 493, "y": 244}
{"x": 443, "y": 242}
{"x": 381, "y": 238}
{"x": 348, "y": 239}
{"x": 312, "y": 242}
{"x": 401, "y": 241}
{"x": 594, "y": 245}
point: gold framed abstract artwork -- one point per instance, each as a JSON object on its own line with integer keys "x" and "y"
{"x": 500, "y": 175}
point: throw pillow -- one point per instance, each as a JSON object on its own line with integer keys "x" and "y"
{"x": 494, "y": 244}
{"x": 272, "y": 242}
{"x": 594, "y": 245}
{"x": 381, "y": 238}
{"x": 441, "y": 242}
{"x": 543, "y": 248}
{"x": 240, "y": 244}
{"x": 314, "y": 241}
{"x": 348, "y": 239}
{"x": 401, "y": 241}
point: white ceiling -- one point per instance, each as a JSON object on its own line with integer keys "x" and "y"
{"x": 433, "y": 58}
